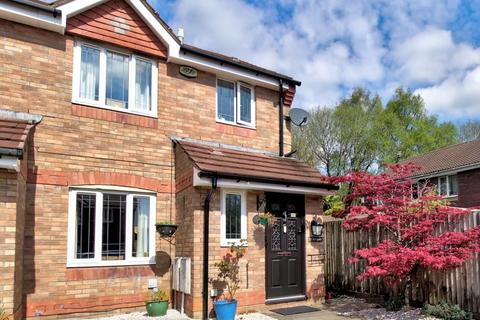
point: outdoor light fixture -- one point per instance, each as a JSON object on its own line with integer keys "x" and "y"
{"x": 316, "y": 231}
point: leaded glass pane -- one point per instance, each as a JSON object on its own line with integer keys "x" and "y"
{"x": 233, "y": 210}
{"x": 85, "y": 226}
{"x": 113, "y": 231}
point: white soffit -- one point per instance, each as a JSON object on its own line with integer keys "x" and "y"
{"x": 249, "y": 185}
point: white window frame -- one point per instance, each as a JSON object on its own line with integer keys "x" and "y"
{"x": 236, "y": 104}
{"x": 72, "y": 261}
{"x": 224, "y": 242}
{"x": 103, "y": 79}
{"x": 447, "y": 181}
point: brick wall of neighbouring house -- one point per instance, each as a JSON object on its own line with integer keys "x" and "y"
{"x": 468, "y": 189}
{"x": 12, "y": 219}
{"x": 81, "y": 145}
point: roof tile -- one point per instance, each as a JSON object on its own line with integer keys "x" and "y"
{"x": 13, "y": 133}
{"x": 450, "y": 158}
{"x": 253, "y": 165}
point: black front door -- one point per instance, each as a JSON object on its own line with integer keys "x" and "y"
{"x": 285, "y": 238}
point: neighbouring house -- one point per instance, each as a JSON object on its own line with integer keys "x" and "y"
{"x": 454, "y": 170}
{"x": 109, "y": 124}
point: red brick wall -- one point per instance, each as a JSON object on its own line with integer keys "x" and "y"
{"x": 76, "y": 145}
{"x": 12, "y": 221}
{"x": 117, "y": 23}
{"x": 468, "y": 189}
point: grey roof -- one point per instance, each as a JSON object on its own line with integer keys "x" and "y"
{"x": 457, "y": 157}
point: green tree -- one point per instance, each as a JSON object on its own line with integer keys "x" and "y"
{"x": 360, "y": 134}
{"x": 410, "y": 130}
{"x": 343, "y": 138}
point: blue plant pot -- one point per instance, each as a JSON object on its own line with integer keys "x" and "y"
{"x": 225, "y": 310}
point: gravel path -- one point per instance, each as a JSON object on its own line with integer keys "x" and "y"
{"x": 175, "y": 315}
{"x": 354, "y": 307}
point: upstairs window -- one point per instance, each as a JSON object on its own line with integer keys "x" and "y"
{"x": 235, "y": 103}
{"x": 110, "y": 228}
{"x": 447, "y": 186}
{"x": 114, "y": 80}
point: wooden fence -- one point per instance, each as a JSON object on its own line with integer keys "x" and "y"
{"x": 460, "y": 286}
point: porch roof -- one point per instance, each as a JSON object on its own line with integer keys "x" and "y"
{"x": 13, "y": 134}
{"x": 231, "y": 162}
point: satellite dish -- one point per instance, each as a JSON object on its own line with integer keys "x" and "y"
{"x": 299, "y": 117}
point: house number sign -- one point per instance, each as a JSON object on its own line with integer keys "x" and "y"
{"x": 188, "y": 72}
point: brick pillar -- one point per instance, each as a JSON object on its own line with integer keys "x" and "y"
{"x": 12, "y": 219}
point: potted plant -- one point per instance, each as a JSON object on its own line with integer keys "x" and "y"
{"x": 228, "y": 280}
{"x": 266, "y": 218}
{"x": 166, "y": 229}
{"x": 157, "y": 304}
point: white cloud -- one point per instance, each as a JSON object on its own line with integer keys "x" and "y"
{"x": 333, "y": 46}
{"x": 457, "y": 97}
{"x": 431, "y": 56}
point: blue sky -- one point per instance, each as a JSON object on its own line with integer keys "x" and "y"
{"x": 332, "y": 46}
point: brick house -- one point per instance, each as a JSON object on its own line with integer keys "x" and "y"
{"x": 454, "y": 170}
{"x": 109, "y": 123}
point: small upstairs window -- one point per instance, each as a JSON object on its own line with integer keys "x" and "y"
{"x": 116, "y": 80}
{"x": 235, "y": 103}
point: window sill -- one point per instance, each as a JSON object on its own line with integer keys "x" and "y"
{"x": 96, "y": 273}
{"x": 229, "y": 243}
{"x": 454, "y": 197}
{"x": 240, "y": 125}
{"x": 102, "y": 106}
{"x": 76, "y": 264}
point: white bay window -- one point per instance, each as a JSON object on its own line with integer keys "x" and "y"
{"x": 235, "y": 103}
{"x": 111, "y": 79}
{"x": 110, "y": 228}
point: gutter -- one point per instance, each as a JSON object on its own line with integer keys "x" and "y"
{"x": 206, "y": 243}
{"x": 240, "y": 65}
{"x": 44, "y": 7}
{"x": 9, "y": 163}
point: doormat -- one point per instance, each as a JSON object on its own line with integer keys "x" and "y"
{"x": 294, "y": 310}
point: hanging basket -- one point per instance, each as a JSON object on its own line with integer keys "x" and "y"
{"x": 166, "y": 230}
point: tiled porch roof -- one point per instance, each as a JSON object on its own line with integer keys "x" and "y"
{"x": 13, "y": 134}
{"x": 235, "y": 163}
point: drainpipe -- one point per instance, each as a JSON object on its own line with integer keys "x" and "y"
{"x": 280, "y": 117}
{"x": 206, "y": 224}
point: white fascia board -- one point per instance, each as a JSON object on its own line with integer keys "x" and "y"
{"x": 224, "y": 70}
{"x": 156, "y": 26}
{"x": 75, "y": 7}
{"x": 248, "y": 185}
{"x": 10, "y": 163}
{"x": 28, "y": 15}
